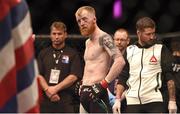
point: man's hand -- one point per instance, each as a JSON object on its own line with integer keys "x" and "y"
{"x": 172, "y": 107}
{"x": 50, "y": 91}
{"x": 117, "y": 106}
{"x": 55, "y": 98}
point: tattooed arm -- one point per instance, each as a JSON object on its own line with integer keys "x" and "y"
{"x": 171, "y": 90}
{"x": 118, "y": 61}
{"x": 172, "y": 107}
{"x": 167, "y": 70}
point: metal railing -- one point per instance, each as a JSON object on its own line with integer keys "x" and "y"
{"x": 132, "y": 36}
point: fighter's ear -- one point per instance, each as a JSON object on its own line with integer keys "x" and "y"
{"x": 94, "y": 19}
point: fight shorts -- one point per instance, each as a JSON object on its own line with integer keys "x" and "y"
{"x": 94, "y": 105}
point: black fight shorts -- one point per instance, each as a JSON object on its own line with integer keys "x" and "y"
{"x": 95, "y": 105}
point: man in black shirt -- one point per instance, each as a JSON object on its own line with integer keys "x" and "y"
{"x": 59, "y": 67}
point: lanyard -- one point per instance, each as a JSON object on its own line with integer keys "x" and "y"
{"x": 56, "y": 56}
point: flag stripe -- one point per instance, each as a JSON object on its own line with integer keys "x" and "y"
{"x": 11, "y": 106}
{"x": 34, "y": 109}
{"x": 18, "y": 83}
{"x": 16, "y": 16}
{"x": 10, "y": 21}
{"x": 21, "y": 77}
{"x": 5, "y": 34}
{"x": 6, "y": 5}
{"x": 26, "y": 94}
{"x": 27, "y": 50}
{"x": 8, "y": 87}
{"x": 7, "y": 61}
{"x": 23, "y": 30}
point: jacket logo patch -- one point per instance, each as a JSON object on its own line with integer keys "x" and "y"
{"x": 153, "y": 60}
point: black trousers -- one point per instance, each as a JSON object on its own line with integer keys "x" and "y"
{"x": 62, "y": 106}
{"x": 154, "y": 107}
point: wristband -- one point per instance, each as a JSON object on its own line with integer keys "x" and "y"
{"x": 104, "y": 84}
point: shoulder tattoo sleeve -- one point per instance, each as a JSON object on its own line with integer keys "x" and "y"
{"x": 107, "y": 42}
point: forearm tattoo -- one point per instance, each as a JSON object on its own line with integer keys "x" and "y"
{"x": 171, "y": 89}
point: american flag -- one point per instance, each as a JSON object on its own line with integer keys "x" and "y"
{"x": 18, "y": 81}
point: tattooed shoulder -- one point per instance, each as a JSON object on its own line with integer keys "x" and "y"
{"x": 107, "y": 41}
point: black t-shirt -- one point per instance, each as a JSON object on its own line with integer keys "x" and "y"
{"x": 68, "y": 63}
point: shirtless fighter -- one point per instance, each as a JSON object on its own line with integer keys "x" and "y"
{"x": 103, "y": 63}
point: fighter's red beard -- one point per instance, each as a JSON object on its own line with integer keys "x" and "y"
{"x": 87, "y": 31}
{"x": 84, "y": 31}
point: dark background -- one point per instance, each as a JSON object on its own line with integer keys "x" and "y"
{"x": 166, "y": 14}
